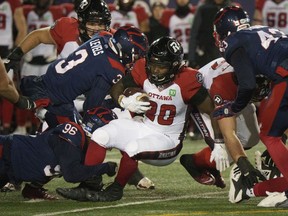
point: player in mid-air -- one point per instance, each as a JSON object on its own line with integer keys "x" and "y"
{"x": 254, "y": 50}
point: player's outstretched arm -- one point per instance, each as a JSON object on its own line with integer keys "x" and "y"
{"x": 233, "y": 144}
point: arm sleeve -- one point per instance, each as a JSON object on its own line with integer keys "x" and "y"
{"x": 245, "y": 77}
{"x": 70, "y": 160}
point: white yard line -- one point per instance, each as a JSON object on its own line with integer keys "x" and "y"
{"x": 204, "y": 195}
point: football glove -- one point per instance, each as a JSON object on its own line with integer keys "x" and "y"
{"x": 220, "y": 156}
{"x": 132, "y": 104}
{"x": 26, "y": 103}
{"x": 12, "y": 62}
{"x": 223, "y": 111}
{"x": 249, "y": 174}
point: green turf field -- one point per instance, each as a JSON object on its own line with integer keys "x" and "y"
{"x": 176, "y": 194}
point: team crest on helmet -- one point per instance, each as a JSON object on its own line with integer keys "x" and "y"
{"x": 174, "y": 46}
{"x": 83, "y": 5}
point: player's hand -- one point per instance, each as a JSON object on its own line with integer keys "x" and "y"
{"x": 132, "y": 104}
{"x": 12, "y": 62}
{"x": 223, "y": 111}
{"x": 249, "y": 174}
{"x": 220, "y": 156}
{"x": 26, "y": 103}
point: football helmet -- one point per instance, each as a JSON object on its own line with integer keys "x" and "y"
{"x": 165, "y": 52}
{"x": 228, "y": 20}
{"x": 95, "y": 118}
{"x": 126, "y": 5}
{"x": 95, "y": 11}
{"x": 130, "y": 44}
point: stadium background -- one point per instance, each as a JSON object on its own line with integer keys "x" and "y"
{"x": 248, "y": 5}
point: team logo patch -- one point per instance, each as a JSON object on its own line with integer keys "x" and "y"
{"x": 199, "y": 77}
{"x": 172, "y": 92}
{"x": 218, "y": 100}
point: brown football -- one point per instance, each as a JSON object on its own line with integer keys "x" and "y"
{"x": 133, "y": 90}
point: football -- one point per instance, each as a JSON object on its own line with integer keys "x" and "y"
{"x": 133, "y": 90}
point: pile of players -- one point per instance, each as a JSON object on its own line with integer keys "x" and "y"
{"x": 219, "y": 97}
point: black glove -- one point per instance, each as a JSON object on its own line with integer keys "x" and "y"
{"x": 248, "y": 173}
{"x": 25, "y": 103}
{"x": 13, "y": 60}
{"x": 267, "y": 159}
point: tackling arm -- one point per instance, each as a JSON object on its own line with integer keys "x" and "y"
{"x": 245, "y": 78}
{"x": 34, "y": 38}
{"x": 233, "y": 144}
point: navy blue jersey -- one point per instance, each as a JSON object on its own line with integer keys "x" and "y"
{"x": 265, "y": 47}
{"x": 58, "y": 151}
{"x": 92, "y": 69}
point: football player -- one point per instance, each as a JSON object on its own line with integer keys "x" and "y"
{"x": 68, "y": 34}
{"x": 240, "y": 132}
{"x": 254, "y": 50}
{"x": 54, "y": 153}
{"x": 157, "y": 138}
{"x": 62, "y": 83}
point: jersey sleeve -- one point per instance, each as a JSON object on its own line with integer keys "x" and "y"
{"x": 218, "y": 93}
{"x": 233, "y": 42}
{"x": 63, "y": 31}
{"x": 192, "y": 89}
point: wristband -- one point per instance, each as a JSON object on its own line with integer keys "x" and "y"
{"x": 24, "y": 103}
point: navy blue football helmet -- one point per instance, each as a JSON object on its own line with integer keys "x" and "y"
{"x": 166, "y": 52}
{"x": 95, "y": 118}
{"x": 228, "y": 20}
{"x": 95, "y": 11}
{"x": 130, "y": 43}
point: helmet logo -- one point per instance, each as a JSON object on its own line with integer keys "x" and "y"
{"x": 174, "y": 46}
{"x": 83, "y": 4}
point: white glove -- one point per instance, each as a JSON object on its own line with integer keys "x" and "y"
{"x": 132, "y": 104}
{"x": 220, "y": 156}
{"x": 40, "y": 113}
